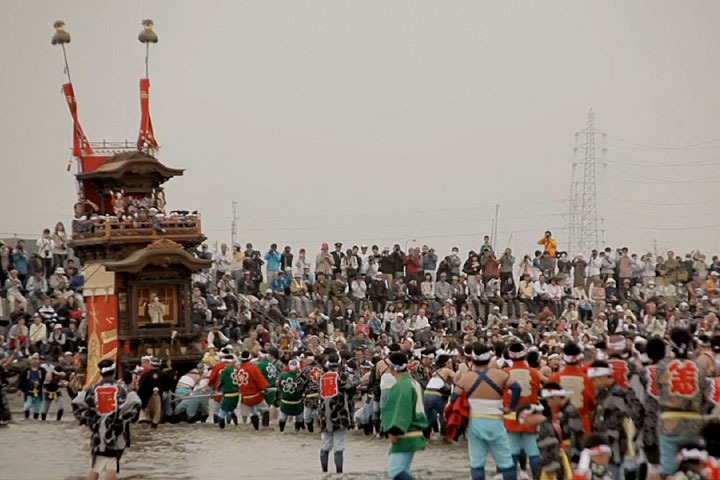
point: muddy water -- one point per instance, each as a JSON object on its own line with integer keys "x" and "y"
{"x": 51, "y": 450}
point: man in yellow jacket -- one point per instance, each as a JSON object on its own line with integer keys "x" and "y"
{"x": 549, "y": 243}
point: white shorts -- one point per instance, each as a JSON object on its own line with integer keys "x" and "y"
{"x": 102, "y": 463}
{"x": 248, "y": 411}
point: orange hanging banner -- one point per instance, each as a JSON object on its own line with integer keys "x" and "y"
{"x": 146, "y": 136}
{"x": 81, "y": 145}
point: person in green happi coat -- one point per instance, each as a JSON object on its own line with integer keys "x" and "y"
{"x": 403, "y": 418}
{"x": 291, "y": 396}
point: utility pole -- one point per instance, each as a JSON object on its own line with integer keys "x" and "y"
{"x": 233, "y": 226}
{"x": 582, "y": 219}
{"x": 495, "y": 228}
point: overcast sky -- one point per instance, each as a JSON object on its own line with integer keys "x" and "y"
{"x": 379, "y": 121}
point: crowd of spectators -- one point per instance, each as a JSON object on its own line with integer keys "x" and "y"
{"x": 42, "y": 297}
{"x": 367, "y": 295}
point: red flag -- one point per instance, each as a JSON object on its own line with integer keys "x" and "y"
{"x": 102, "y": 341}
{"x": 80, "y": 141}
{"x": 146, "y": 136}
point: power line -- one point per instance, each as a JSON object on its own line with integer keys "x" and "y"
{"x": 655, "y": 203}
{"x": 703, "y": 144}
{"x": 659, "y": 215}
{"x": 394, "y": 224}
{"x": 415, "y": 211}
{"x": 702, "y": 163}
{"x": 644, "y": 227}
{"x": 653, "y": 181}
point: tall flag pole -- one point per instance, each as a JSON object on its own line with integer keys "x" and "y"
{"x": 81, "y": 145}
{"x": 146, "y": 137}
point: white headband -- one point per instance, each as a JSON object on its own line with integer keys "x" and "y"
{"x": 599, "y": 372}
{"x": 522, "y": 353}
{"x": 398, "y": 368}
{"x": 691, "y": 454}
{"x": 549, "y": 392}
{"x": 681, "y": 348}
{"x": 619, "y": 345}
{"x": 485, "y": 357}
{"x": 108, "y": 369}
{"x": 522, "y": 418}
{"x": 600, "y": 449}
{"x": 573, "y": 358}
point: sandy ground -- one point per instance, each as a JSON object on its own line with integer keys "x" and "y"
{"x": 51, "y": 450}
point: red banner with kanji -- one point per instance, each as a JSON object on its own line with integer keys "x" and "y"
{"x": 102, "y": 340}
{"x": 683, "y": 378}
{"x": 106, "y": 398}
{"x": 652, "y": 384}
{"x": 620, "y": 372}
{"x": 81, "y": 145}
{"x": 146, "y": 136}
{"x": 329, "y": 385}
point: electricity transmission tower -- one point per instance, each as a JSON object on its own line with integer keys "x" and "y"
{"x": 583, "y": 219}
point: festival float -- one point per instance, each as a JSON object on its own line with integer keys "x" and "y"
{"x": 136, "y": 255}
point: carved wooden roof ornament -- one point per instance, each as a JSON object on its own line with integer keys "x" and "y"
{"x": 164, "y": 243}
{"x": 163, "y": 253}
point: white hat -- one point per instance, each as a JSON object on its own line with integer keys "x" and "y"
{"x": 269, "y": 290}
{"x": 59, "y": 271}
{"x": 619, "y": 308}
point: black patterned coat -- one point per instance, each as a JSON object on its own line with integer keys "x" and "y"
{"x": 309, "y": 381}
{"x": 336, "y": 412}
{"x": 106, "y": 408}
